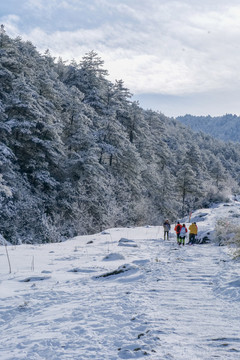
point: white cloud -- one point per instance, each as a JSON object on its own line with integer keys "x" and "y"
{"x": 46, "y": 5}
{"x": 168, "y": 47}
{"x": 36, "y": 5}
{"x": 11, "y": 23}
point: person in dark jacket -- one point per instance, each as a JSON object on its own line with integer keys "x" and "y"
{"x": 166, "y": 228}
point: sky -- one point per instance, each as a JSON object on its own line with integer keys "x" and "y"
{"x": 176, "y": 57}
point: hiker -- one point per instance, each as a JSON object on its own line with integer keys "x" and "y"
{"x": 166, "y": 228}
{"x": 182, "y": 235}
{"x": 178, "y": 229}
{"x": 193, "y": 230}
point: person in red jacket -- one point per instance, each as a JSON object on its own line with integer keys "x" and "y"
{"x": 178, "y": 229}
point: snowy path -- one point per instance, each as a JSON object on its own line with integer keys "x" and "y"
{"x": 203, "y": 323}
{"x": 178, "y": 303}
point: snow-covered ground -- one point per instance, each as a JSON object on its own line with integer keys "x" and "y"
{"x": 122, "y": 294}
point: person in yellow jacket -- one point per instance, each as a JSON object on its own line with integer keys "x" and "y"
{"x": 193, "y": 230}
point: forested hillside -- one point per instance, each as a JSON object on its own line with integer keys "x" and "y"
{"x": 226, "y": 127}
{"x": 77, "y": 155}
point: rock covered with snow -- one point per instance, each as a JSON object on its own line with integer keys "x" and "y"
{"x": 127, "y": 242}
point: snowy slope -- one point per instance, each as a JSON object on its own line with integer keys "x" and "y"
{"x": 122, "y": 294}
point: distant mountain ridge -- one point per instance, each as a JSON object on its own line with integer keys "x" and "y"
{"x": 226, "y": 127}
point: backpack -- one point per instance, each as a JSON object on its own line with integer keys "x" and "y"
{"x": 183, "y": 231}
{"x": 178, "y": 228}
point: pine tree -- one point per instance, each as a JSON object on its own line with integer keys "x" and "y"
{"x": 186, "y": 186}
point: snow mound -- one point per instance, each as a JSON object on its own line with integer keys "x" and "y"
{"x": 113, "y": 256}
{"x": 198, "y": 217}
{"x": 123, "y": 269}
{"x": 127, "y": 242}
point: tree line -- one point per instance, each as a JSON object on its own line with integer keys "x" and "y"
{"x": 77, "y": 155}
{"x": 225, "y": 127}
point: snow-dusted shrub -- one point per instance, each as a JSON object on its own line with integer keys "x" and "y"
{"x": 4, "y": 242}
{"x": 224, "y": 231}
{"x": 214, "y": 196}
{"x": 228, "y": 233}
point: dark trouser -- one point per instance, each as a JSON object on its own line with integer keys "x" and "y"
{"x": 182, "y": 240}
{"x": 178, "y": 238}
{"x": 166, "y": 233}
{"x": 192, "y": 238}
